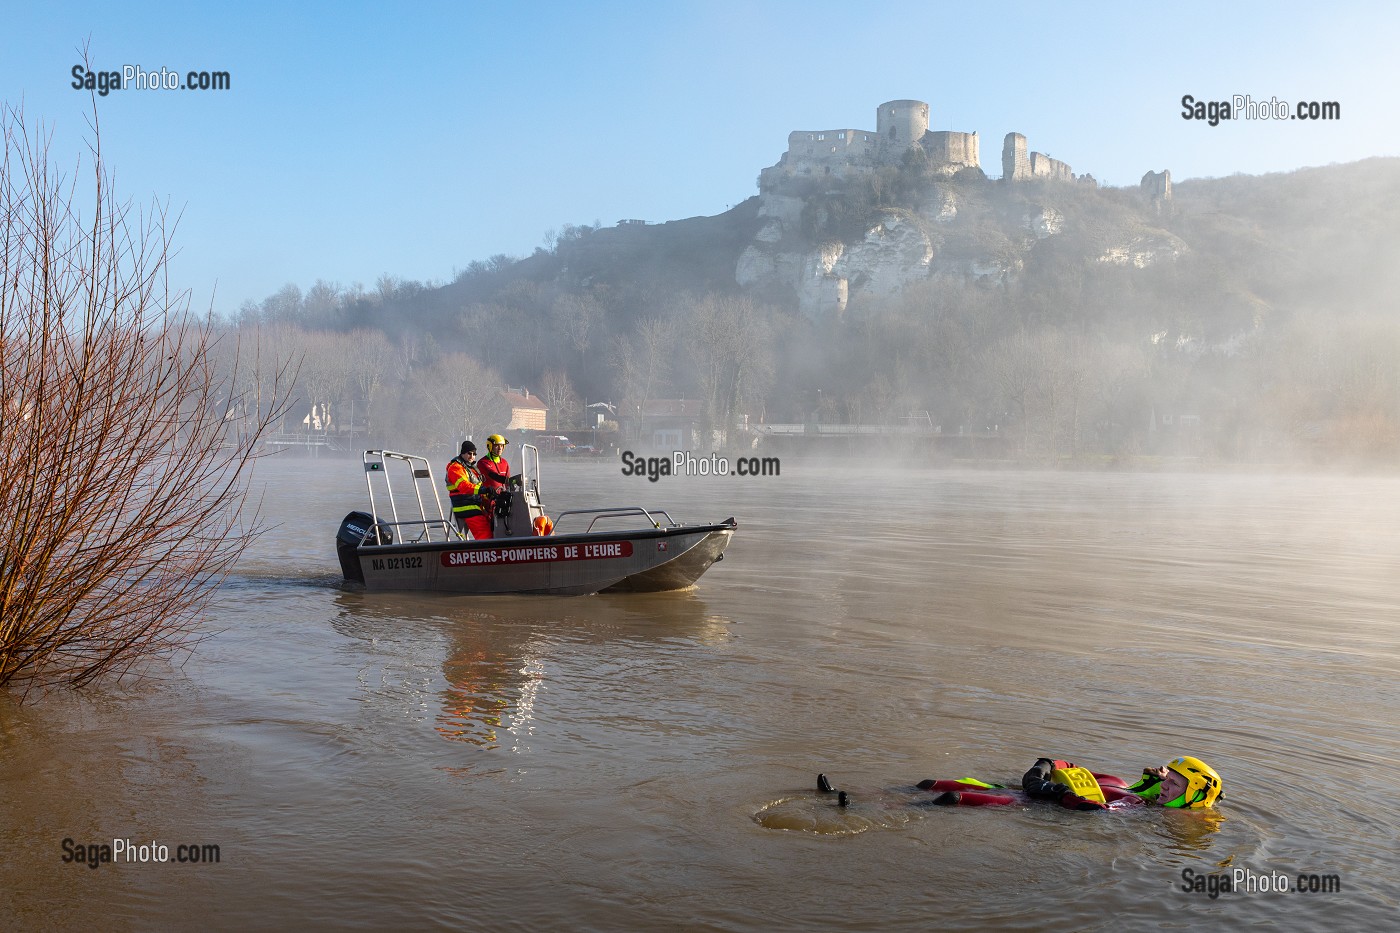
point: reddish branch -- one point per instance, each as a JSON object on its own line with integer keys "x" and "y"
{"x": 125, "y": 450}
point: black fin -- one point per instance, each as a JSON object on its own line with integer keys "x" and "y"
{"x": 823, "y": 784}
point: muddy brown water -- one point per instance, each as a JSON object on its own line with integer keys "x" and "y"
{"x": 647, "y": 762}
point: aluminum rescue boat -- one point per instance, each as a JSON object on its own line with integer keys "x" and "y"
{"x": 623, "y": 549}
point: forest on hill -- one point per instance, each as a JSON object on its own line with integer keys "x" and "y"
{"x": 1248, "y": 318}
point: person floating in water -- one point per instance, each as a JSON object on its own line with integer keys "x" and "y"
{"x": 1184, "y": 783}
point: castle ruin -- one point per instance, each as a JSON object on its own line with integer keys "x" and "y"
{"x": 1157, "y": 185}
{"x": 900, "y": 125}
{"x": 1018, "y": 165}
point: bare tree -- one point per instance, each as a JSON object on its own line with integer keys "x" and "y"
{"x": 371, "y": 357}
{"x": 325, "y": 370}
{"x": 458, "y": 395}
{"x": 1013, "y": 370}
{"x": 558, "y": 395}
{"x": 576, "y": 317}
{"x": 655, "y": 340}
{"x": 626, "y": 372}
{"x": 730, "y": 345}
{"x": 284, "y": 307}
{"x": 321, "y": 303}
{"x": 124, "y": 458}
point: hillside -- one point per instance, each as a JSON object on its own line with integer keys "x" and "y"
{"x": 1081, "y": 316}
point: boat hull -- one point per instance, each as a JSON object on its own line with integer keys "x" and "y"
{"x": 559, "y": 565}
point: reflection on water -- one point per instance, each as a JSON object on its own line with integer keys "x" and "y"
{"x": 499, "y": 659}
{"x": 622, "y": 761}
{"x": 476, "y": 701}
{"x": 1187, "y": 832}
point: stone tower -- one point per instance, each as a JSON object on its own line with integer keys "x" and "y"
{"x": 1157, "y": 185}
{"x": 900, "y": 124}
{"x": 1015, "y": 164}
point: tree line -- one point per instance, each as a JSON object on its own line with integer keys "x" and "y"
{"x": 1272, "y": 335}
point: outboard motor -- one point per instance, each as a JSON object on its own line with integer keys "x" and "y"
{"x": 353, "y": 529}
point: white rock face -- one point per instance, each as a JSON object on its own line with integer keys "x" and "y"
{"x": 1045, "y": 222}
{"x": 897, "y": 250}
{"x": 819, "y": 289}
{"x": 1144, "y": 250}
{"x": 942, "y": 209}
{"x": 755, "y": 265}
{"x": 764, "y": 259}
{"x": 893, "y": 253}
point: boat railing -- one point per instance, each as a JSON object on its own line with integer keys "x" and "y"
{"x": 382, "y": 533}
{"x": 632, "y": 511}
{"x": 377, "y": 463}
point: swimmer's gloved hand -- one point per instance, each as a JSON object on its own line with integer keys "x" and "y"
{"x": 1036, "y": 781}
{"x": 1149, "y": 779}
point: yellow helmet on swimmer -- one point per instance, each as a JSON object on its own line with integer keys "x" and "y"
{"x": 1203, "y": 784}
{"x": 497, "y": 439}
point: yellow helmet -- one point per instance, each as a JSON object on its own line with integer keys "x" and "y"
{"x": 1203, "y": 785}
{"x": 497, "y": 439}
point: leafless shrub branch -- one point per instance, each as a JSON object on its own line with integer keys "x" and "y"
{"x": 125, "y": 449}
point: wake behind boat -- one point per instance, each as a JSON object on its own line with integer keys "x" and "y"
{"x": 621, "y": 549}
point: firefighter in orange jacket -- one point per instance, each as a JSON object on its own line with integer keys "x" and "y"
{"x": 464, "y": 483}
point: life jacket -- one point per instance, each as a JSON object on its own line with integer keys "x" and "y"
{"x": 464, "y": 487}
{"x": 495, "y": 471}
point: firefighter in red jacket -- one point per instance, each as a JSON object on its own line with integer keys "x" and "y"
{"x": 495, "y": 473}
{"x": 464, "y": 482}
{"x": 494, "y": 468}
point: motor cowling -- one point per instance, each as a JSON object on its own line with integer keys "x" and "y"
{"x": 353, "y": 529}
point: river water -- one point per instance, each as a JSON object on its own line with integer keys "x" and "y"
{"x": 648, "y": 762}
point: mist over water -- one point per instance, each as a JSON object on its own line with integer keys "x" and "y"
{"x": 610, "y": 762}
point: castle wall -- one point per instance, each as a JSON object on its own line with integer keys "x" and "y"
{"x": 1042, "y": 166}
{"x": 959, "y": 149}
{"x": 829, "y": 147}
{"x": 1018, "y": 165}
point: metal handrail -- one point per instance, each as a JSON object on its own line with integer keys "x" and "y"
{"x": 376, "y": 461}
{"x": 448, "y": 531}
{"x": 615, "y": 513}
{"x": 424, "y": 472}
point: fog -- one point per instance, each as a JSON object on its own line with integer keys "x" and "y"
{"x": 1266, "y": 331}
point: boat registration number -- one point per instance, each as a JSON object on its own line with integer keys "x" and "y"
{"x": 396, "y": 563}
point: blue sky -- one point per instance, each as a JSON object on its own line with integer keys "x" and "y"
{"x": 360, "y": 139}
